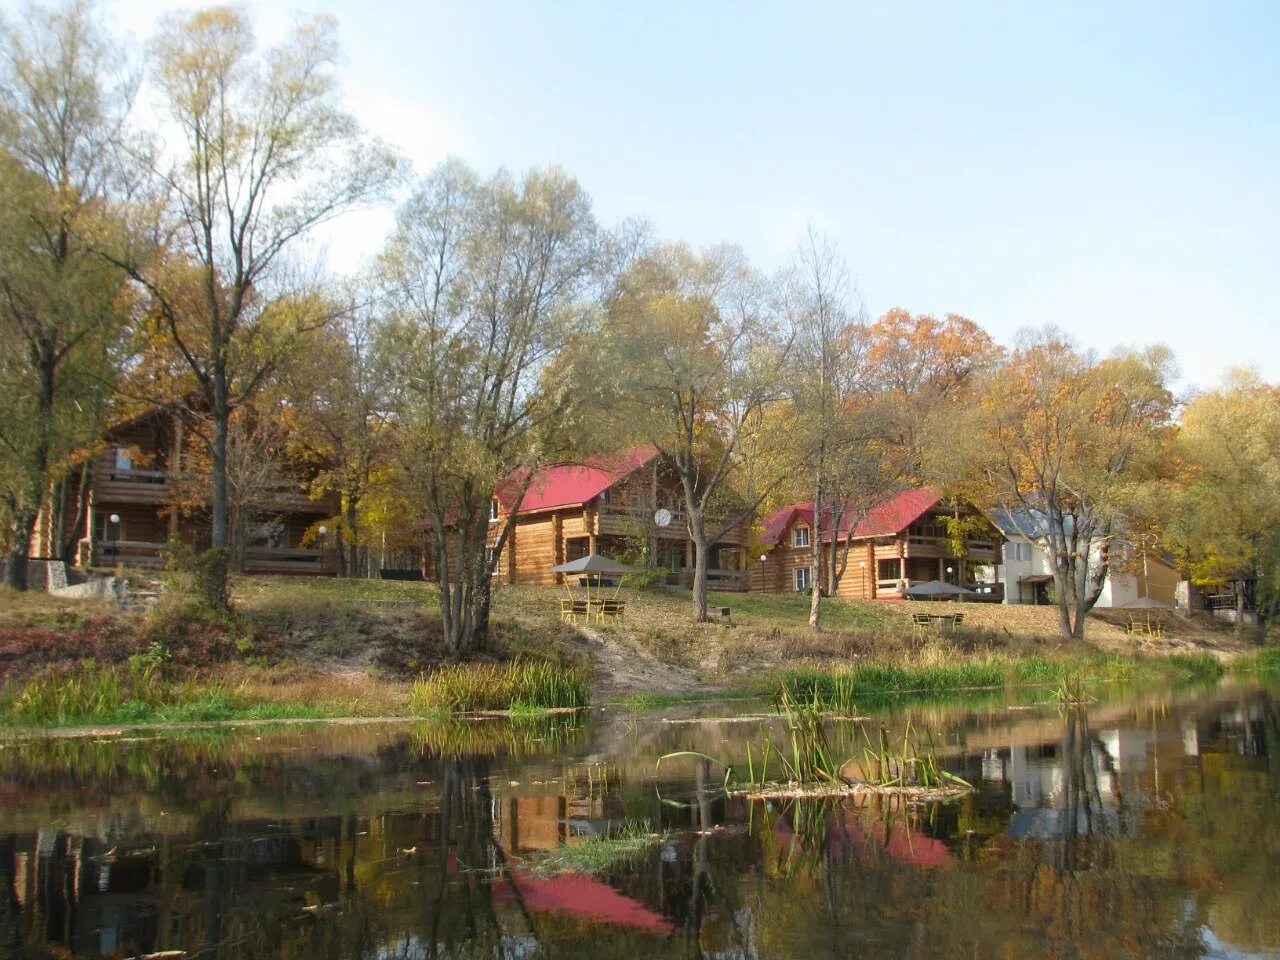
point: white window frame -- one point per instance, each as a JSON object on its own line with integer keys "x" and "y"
{"x": 494, "y": 510}
{"x": 798, "y": 534}
{"x": 803, "y": 577}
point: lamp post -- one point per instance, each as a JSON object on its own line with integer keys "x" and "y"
{"x": 323, "y": 531}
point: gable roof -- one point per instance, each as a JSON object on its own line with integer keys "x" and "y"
{"x": 571, "y": 484}
{"x": 1020, "y": 522}
{"x": 885, "y": 519}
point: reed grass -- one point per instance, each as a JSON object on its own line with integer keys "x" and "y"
{"x": 90, "y": 692}
{"x": 522, "y": 686}
{"x": 846, "y": 688}
{"x": 1266, "y": 660}
{"x": 806, "y": 766}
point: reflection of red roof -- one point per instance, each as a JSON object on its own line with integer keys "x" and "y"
{"x": 885, "y": 519}
{"x": 588, "y": 897}
{"x": 572, "y": 484}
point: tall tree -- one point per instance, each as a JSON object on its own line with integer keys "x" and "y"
{"x": 689, "y": 353}
{"x": 485, "y": 282}
{"x": 266, "y": 153}
{"x": 843, "y": 432}
{"x": 341, "y": 396}
{"x": 1226, "y": 525}
{"x": 1073, "y": 439}
{"x": 64, "y": 100}
{"x": 925, "y": 373}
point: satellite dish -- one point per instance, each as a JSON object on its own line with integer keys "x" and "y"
{"x": 663, "y": 517}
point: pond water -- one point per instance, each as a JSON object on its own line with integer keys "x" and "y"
{"x": 1145, "y": 826}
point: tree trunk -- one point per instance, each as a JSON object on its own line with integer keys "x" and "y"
{"x": 1265, "y": 618}
{"x": 353, "y": 545}
{"x": 23, "y": 528}
{"x": 1064, "y": 605}
{"x": 1239, "y": 608}
{"x": 25, "y": 518}
{"x": 340, "y": 550}
{"x": 698, "y": 533}
{"x": 213, "y": 572}
{"x": 815, "y": 554}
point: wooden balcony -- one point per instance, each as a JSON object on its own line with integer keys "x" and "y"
{"x": 112, "y": 485}
{"x": 285, "y": 560}
{"x": 624, "y": 520}
{"x": 979, "y": 551}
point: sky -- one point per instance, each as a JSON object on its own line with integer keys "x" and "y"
{"x": 1111, "y": 169}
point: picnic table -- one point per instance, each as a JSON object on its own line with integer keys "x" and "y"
{"x": 934, "y": 621}
{"x": 594, "y": 608}
{"x": 1147, "y": 626}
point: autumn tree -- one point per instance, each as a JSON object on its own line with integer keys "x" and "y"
{"x": 690, "y": 351}
{"x": 65, "y": 95}
{"x": 265, "y": 153}
{"x": 340, "y": 399}
{"x": 926, "y": 373}
{"x": 842, "y": 432}
{"x": 1073, "y": 439}
{"x": 484, "y": 283}
{"x": 1226, "y": 522}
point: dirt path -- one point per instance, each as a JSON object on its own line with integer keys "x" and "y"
{"x": 620, "y": 668}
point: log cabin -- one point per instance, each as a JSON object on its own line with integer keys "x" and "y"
{"x": 883, "y": 550}
{"x": 609, "y": 505}
{"x": 130, "y": 508}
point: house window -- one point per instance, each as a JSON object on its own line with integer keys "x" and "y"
{"x": 123, "y": 459}
{"x": 1015, "y": 552}
{"x": 268, "y": 536}
{"x": 800, "y": 537}
{"x": 489, "y": 554}
{"x": 804, "y": 578}
{"x": 106, "y": 530}
{"x": 493, "y": 510}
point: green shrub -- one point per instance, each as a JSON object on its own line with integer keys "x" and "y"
{"x": 1266, "y": 660}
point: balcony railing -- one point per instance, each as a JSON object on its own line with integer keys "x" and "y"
{"x": 145, "y": 553}
{"x": 112, "y": 484}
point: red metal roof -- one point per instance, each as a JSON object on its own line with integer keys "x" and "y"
{"x": 885, "y": 519}
{"x": 572, "y": 484}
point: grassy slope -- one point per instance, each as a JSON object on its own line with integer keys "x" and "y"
{"x": 350, "y": 647}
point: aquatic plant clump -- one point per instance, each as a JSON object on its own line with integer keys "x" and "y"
{"x": 519, "y": 686}
{"x": 621, "y": 846}
{"x": 806, "y": 767}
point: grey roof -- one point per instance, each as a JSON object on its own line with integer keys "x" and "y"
{"x": 1020, "y": 522}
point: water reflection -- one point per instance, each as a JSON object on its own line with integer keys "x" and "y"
{"x": 1145, "y": 828}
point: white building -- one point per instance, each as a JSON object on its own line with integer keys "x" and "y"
{"x": 1027, "y": 577}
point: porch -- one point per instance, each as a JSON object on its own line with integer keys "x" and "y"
{"x": 896, "y": 575}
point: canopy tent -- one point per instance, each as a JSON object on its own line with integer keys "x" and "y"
{"x": 595, "y": 566}
{"x": 938, "y": 590}
{"x": 594, "y": 563}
